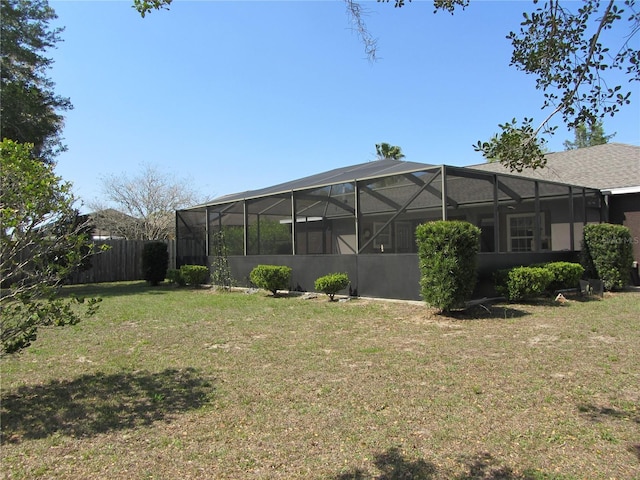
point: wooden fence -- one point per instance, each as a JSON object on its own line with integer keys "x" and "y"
{"x": 121, "y": 262}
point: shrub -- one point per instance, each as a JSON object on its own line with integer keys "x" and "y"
{"x": 155, "y": 260}
{"x": 173, "y": 275}
{"x": 527, "y": 282}
{"x": 194, "y": 274}
{"x": 608, "y": 254}
{"x": 500, "y": 280}
{"x": 447, "y": 252}
{"x": 271, "y": 277}
{"x": 332, "y": 284}
{"x": 565, "y": 275}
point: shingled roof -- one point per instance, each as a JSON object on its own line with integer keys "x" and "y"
{"x": 605, "y": 167}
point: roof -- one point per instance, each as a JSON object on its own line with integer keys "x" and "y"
{"x": 612, "y": 167}
{"x": 606, "y": 167}
{"x": 376, "y": 168}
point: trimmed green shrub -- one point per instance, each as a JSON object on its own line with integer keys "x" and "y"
{"x": 332, "y": 284}
{"x": 447, "y": 252}
{"x": 194, "y": 274}
{"x": 173, "y": 275}
{"x": 527, "y": 282}
{"x": 565, "y": 275}
{"x": 607, "y": 251}
{"x": 271, "y": 277}
{"x": 500, "y": 280}
{"x": 155, "y": 261}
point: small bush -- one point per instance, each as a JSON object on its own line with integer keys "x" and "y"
{"x": 174, "y": 276}
{"x": 332, "y": 284}
{"x": 271, "y": 277}
{"x": 565, "y": 275}
{"x": 608, "y": 254}
{"x": 194, "y": 274}
{"x": 447, "y": 252}
{"x": 155, "y": 261}
{"x": 527, "y": 282}
{"x": 500, "y": 280}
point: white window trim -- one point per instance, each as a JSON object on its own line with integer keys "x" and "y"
{"x": 521, "y": 215}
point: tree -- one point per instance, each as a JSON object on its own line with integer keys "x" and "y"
{"x": 41, "y": 243}
{"x": 562, "y": 44}
{"x": 588, "y": 137}
{"x": 385, "y": 150}
{"x": 29, "y": 108}
{"x": 149, "y": 199}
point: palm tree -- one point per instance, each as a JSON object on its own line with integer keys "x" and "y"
{"x": 385, "y": 150}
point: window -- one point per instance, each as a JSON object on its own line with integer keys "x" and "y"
{"x": 383, "y": 238}
{"x": 404, "y": 237}
{"x": 522, "y": 231}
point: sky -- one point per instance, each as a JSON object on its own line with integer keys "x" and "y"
{"x": 232, "y": 96}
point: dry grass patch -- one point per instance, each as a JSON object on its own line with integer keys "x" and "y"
{"x": 178, "y": 383}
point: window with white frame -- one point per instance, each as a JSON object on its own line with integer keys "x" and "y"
{"x": 521, "y": 231}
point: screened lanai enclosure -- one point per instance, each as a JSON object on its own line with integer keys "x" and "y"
{"x": 361, "y": 220}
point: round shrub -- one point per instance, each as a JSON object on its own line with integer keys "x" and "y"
{"x": 155, "y": 261}
{"x": 332, "y": 284}
{"x": 271, "y": 277}
{"x": 447, "y": 252}
{"x": 194, "y": 274}
{"x": 565, "y": 275}
{"x": 173, "y": 275}
{"x": 527, "y": 282}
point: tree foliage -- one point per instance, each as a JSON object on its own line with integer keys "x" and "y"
{"x": 588, "y": 136}
{"x": 29, "y": 108}
{"x": 386, "y": 150}
{"x": 42, "y": 242}
{"x": 566, "y": 47}
{"x": 148, "y": 201}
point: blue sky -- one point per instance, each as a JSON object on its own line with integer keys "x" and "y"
{"x": 239, "y": 95}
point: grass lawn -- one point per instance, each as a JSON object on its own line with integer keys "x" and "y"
{"x": 167, "y": 383}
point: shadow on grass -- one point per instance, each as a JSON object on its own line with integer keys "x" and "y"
{"x": 392, "y": 465}
{"x": 115, "y": 289}
{"x": 99, "y": 403}
{"x": 479, "y": 312}
{"x": 483, "y": 466}
{"x": 597, "y": 413}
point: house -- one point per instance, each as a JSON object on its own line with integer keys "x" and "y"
{"x": 111, "y": 224}
{"x": 361, "y": 220}
{"x": 612, "y": 168}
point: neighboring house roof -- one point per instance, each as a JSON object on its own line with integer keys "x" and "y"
{"x": 610, "y": 166}
{"x": 362, "y": 171}
{"x": 110, "y": 223}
